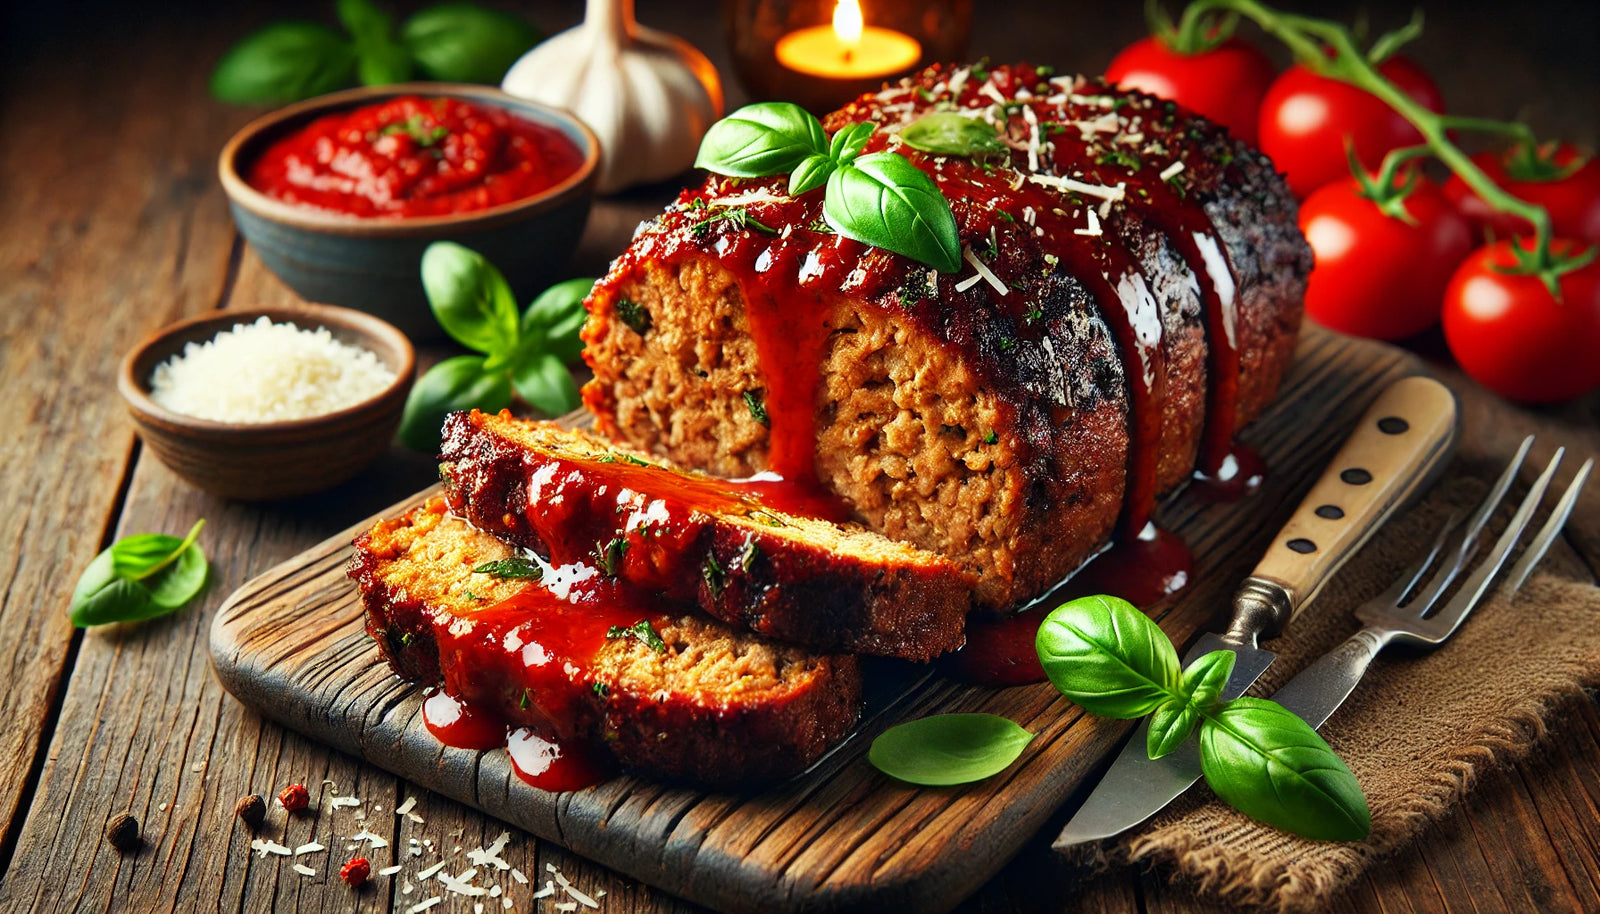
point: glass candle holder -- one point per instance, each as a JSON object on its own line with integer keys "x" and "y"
{"x": 823, "y": 53}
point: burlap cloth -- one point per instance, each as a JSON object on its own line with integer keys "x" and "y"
{"x": 1420, "y": 727}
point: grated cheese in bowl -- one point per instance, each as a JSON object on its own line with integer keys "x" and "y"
{"x": 267, "y": 372}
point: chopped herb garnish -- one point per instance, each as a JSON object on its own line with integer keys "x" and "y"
{"x": 1007, "y": 344}
{"x": 1035, "y": 311}
{"x": 514, "y": 568}
{"x": 636, "y": 461}
{"x": 527, "y": 698}
{"x": 747, "y": 555}
{"x": 634, "y": 315}
{"x": 713, "y": 574}
{"x": 406, "y": 639}
{"x": 1120, "y": 157}
{"x": 915, "y": 289}
{"x": 991, "y": 438}
{"x": 608, "y": 556}
{"x": 736, "y": 217}
{"x": 641, "y": 630}
{"x": 758, "y": 409}
{"x": 419, "y": 132}
{"x": 601, "y": 689}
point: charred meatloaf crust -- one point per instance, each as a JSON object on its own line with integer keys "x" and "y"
{"x": 707, "y": 703}
{"x": 572, "y": 497}
{"x": 1131, "y": 290}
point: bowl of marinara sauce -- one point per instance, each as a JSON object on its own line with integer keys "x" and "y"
{"x": 340, "y": 194}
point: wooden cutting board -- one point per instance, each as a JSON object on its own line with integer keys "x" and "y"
{"x": 290, "y": 644}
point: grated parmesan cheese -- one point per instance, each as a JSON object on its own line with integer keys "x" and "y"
{"x": 304, "y": 870}
{"x": 1171, "y": 171}
{"x": 266, "y": 372}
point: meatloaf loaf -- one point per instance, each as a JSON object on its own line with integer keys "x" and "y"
{"x": 1130, "y": 294}
{"x": 577, "y": 661}
{"x": 571, "y": 498}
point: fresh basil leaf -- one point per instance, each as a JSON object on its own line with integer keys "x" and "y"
{"x": 464, "y": 42}
{"x": 847, "y": 143}
{"x": 948, "y": 749}
{"x": 470, "y": 298}
{"x": 363, "y": 20}
{"x": 1205, "y": 679}
{"x": 546, "y": 384}
{"x": 769, "y": 138}
{"x": 642, "y": 630}
{"x": 514, "y": 568}
{"x": 1198, "y": 691}
{"x": 179, "y": 582}
{"x": 885, "y": 201}
{"x": 454, "y": 384}
{"x": 1270, "y": 765}
{"x": 947, "y": 133}
{"x": 170, "y": 579}
{"x": 382, "y": 63}
{"x": 284, "y": 62}
{"x": 1108, "y": 657}
{"x": 559, "y": 313}
{"x": 811, "y": 174}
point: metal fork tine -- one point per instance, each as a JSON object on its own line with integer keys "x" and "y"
{"x": 1467, "y": 544}
{"x": 1550, "y": 530}
{"x": 1408, "y": 579}
{"x": 1478, "y": 582}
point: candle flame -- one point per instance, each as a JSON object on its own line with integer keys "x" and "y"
{"x": 847, "y": 22}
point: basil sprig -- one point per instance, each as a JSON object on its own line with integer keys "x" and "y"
{"x": 139, "y": 577}
{"x": 879, "y": 199}
{"x": 1257, "y": 756}
{"x": 525, "y": 353}
{"x": 948, "y": 133}
{"x": 289, "y": 61}
{"x": 948, "y": 749}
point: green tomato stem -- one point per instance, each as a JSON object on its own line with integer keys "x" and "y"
{"x": 1312, "y": 40}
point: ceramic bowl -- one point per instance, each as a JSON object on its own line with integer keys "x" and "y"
{"x": 372, "y": 265}
{"x": 270, "y": 460}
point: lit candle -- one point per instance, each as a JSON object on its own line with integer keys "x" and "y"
{"x": 848, "y": 49}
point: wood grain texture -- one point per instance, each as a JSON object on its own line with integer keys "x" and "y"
{"x": 291, "y": 644}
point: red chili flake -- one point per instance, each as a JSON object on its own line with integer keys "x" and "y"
{"x": 356, "y": 871}
{"x": 294, "y": 797}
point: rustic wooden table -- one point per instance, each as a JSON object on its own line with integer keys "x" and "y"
{"x": 112, "y": 225}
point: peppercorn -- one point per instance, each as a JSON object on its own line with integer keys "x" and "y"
{"x": 294, "y": 797}
{"x": 123, "y": 832}
{"x": 356, "y": 871}
{"x": 252, "y": 809}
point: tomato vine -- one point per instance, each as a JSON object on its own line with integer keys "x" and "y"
{"x": 1330, "y": 50}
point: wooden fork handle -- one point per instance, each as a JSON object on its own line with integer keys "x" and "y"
{"x": 1402, "y": 439}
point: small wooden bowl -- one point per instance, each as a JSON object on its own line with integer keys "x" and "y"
{"x": 268, "y": 460}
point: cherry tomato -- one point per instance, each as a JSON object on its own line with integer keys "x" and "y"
{"x": 1225, "y": 83}
{"x": 1573, "y": 200}
{"x": 1375, "y": 275}
{"x": 1305, "y": 118}
{"x": 1510, "y": 334}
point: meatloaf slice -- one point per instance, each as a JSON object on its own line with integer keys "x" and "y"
{"x": 571, "y": 497}
{"x": 708, "y": 703}
{"x": 1131, "y": 289}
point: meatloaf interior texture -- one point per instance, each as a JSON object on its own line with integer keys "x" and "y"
{"x": 1140, "y": 299}
{"x": 572, "y": 497}
{"x": 710, "y": 703}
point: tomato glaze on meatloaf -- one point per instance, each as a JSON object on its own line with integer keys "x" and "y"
{"x": 1130, "y": 293}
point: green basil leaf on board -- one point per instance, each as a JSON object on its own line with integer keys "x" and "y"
{"x": 847, "y": 143}
{"x": 1270, "y": 765}
{"x": 454, "y": 384}
{"x": 558, "y": 313}
{"x": 546, "y": 384}
{"x": 470, "y": 298}
{"x": 464, "y": 42}
{"x": 885, "y": 201}
{"x": 770, "y": 138}
{"x": 1108, "y": 657}
{"x": 811, "y": 174}
{"x": 947, "y": 133}
{"x": 948, "y": 749}
{"x": 139, "y": 577}
{"x": 284, "y": 62}
{"x": 1198, "y": 692}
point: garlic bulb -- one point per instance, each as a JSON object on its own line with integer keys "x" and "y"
{"x": 647, "y": 95}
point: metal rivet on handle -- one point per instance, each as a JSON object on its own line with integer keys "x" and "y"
{"x": 1393, "y": 425}
{"x": 1356, "y": 476}
{"x": 1302, "y": 545}
{"x": 1330, "y": 512}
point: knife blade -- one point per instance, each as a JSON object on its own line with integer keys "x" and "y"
{"x": 1400, "y": 443}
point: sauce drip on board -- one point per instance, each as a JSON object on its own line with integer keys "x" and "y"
{"x": 411, "y": 157}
